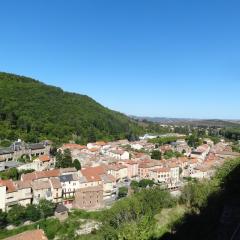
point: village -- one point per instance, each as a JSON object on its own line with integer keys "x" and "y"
{"x": 106, "y": 167}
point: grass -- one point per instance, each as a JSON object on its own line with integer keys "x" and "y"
{"x": 167, "y": 218}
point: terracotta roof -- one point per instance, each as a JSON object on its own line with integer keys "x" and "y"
{"x": 92, "y": 174}
{"x": 38, "y": 175}
{"x": 116, "y": 167}
{"x": 131, "y": 162}
{"x": 73, "y": 146}
{"x": 23, "y": 184}
{"x": 144, "y": 165}
{"x": 101, "y": 143}
{"x": 108, "y": 178}
{"x": 9, "y": 185}
{"x": 55, "y": 183}
{"x": 38, "y": 185}
{"x": 93, "y": 149}
{"x": 193, "y": 160}
{"x": 172, "y": 165}
{"x": 183, "y": 159}
{"x": 44, "y": 158}
{"x": 29, "y": 235}
{"x": 159, "y": 170}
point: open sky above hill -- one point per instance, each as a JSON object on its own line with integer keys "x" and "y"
{"x": 151, "y": 58}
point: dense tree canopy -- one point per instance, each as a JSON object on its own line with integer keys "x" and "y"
{"x": 33, "y": 111}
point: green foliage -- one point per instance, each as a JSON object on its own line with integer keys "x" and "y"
{"x": 156, "y": 154}
{"x": 16, "y": 215}
{"x": 236, "y": 148}
{"x": 64, "y": 160}
{"x": 46, "y": 208}
{"x": 231, "y": 133}
{"x": 50, "y": 227}
{"x": 195, "y": 194}
{"x": 5, "y": 143}
{"x": 141, "y": 229}
{"x": 32, "y": 213}
{"x": 122, "y": 192}
{"x": 24, "y": 159}
{"x": 3, "y": 219}
{"x": 24, "y": 113}
{"x": 172, "y": 154}
{"x": 14, "y": 174}
{"x": 77, "y": 164}
{"x": 135, "y": 210}
{"x": 194, "y": 141}
{"x": 11, "y": 173}
{"x": 143, "y": 183}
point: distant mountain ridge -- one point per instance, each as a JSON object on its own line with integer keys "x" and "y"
{"x": 190, "y": 121}
{"x": 32, "y": 110}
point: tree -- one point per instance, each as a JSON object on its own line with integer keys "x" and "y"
{"x": 64, "y": 160}
{"x": 33, "y": 213}
{"x": 16, "y": 215}
{"x": 122, "y": 192}
{"x": 145, "y": 183}
{"x": 12, "y": 173}
{"x": 134, "y": 185}
{"x": 194, "y": 141}
{"x": 77, "y": 164}
{"x": 195, "y": 194}
{"x": 3, "y": 219}
{"x": 25, "y": 114}
{"x": 172, "y": 154}
{"x": 156, "y": 154}
{"x": 46, "y": 208}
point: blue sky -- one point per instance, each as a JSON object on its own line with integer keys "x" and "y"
{"x": 167, "y": 58}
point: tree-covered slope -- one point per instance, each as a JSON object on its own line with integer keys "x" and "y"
{"x": 33, "y": 111}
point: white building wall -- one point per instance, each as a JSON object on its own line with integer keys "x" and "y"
{"x": 3, "y": 198}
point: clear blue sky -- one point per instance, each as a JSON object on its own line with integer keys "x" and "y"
{"x": 173, "y": 58}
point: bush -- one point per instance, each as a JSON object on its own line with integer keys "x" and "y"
{"x": 46, "y": 208}
{"x": 16, "y": 215}
{"x": 122, "y": 192}
{"x": 33, "y": 213}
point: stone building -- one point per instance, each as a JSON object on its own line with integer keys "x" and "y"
{"x": 89, "y": 198}
{"x": 20, "y": 148}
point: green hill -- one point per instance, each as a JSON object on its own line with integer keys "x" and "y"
{"x": 33, "y": 111}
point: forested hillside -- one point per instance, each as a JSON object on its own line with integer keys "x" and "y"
{"x": 34, "y": 111}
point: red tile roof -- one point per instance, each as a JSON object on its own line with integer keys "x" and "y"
{"x": 101, "y": 143}
{"x": 9, "y": 185}
{"x": 38, "y": 175}
{"x": 160, "y": 170}
{"x": 73, "y": 146}
{"x": 92, "y": 174}
{"x": 44, "y": 158}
